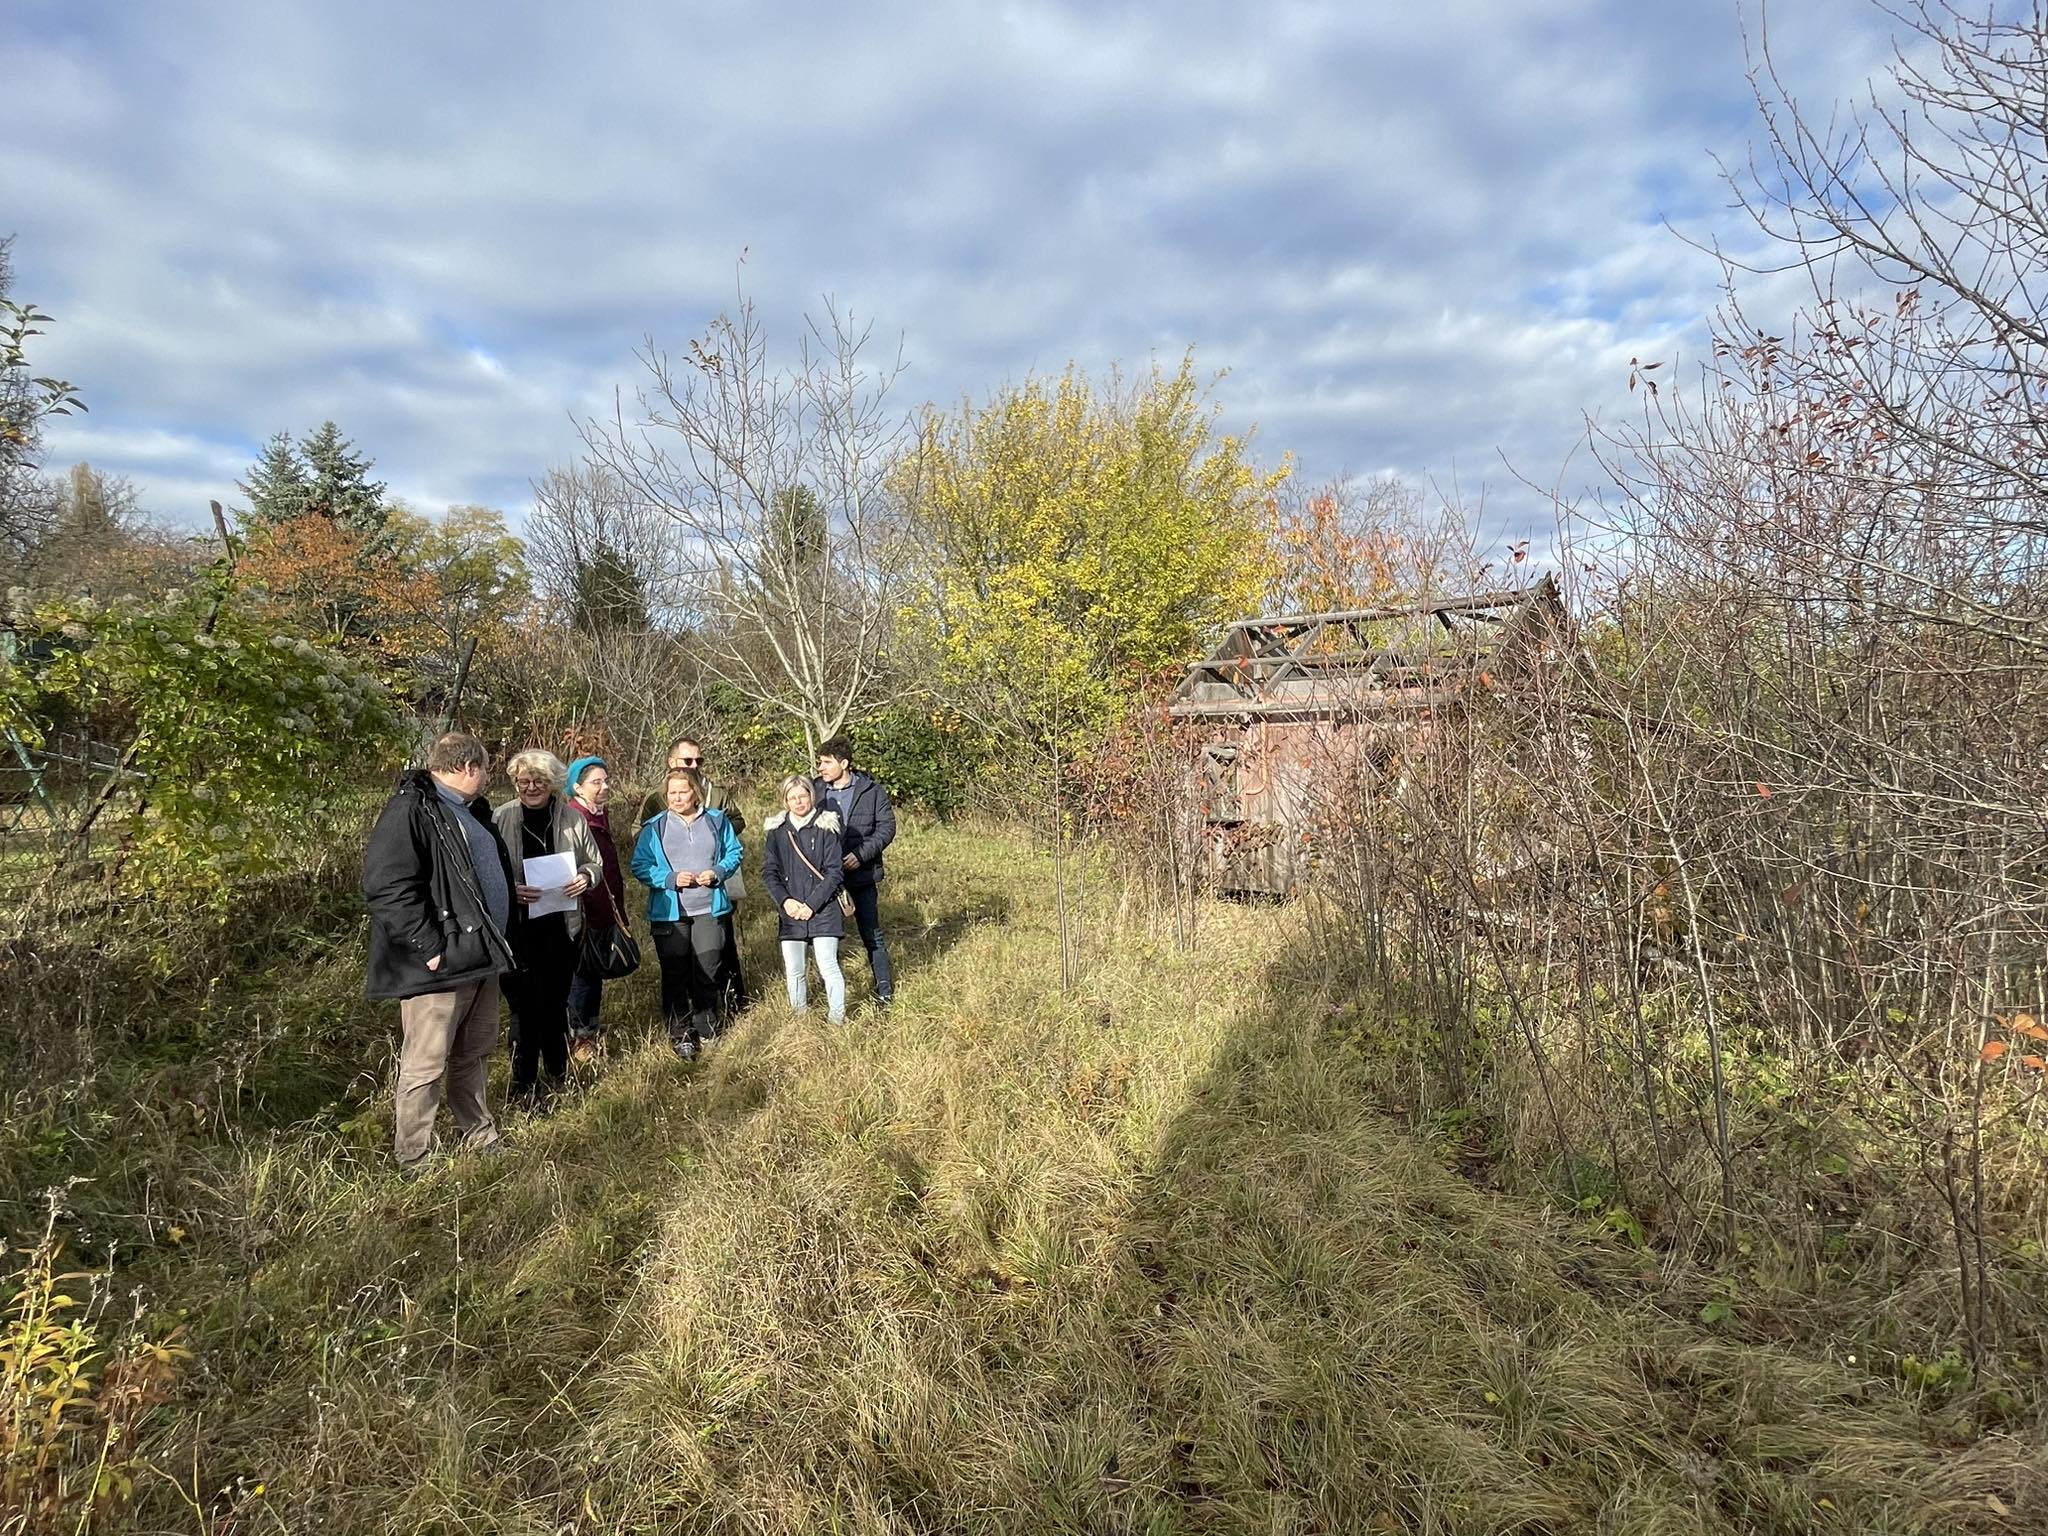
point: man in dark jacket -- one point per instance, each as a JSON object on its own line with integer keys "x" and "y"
{"x": 868, "y": 821}
{"x": 441, "y": 897}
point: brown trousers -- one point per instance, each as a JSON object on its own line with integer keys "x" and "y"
{"x": 451, "y": 1035}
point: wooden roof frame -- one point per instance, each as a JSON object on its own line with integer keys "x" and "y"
{"x": 1286, "y": 667}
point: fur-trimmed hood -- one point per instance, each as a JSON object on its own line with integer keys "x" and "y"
{"x": 805, "y": 865}
{"x": 829, "y": 820}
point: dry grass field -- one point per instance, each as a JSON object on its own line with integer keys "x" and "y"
{"x": 1143, "y": 1258}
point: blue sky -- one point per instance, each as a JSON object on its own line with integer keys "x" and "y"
{"x": 1421, "y": 240}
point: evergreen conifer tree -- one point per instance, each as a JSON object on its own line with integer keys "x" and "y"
{"x": 608, "y": 595}
{"x": 278, "y": 484}
{"x": 339, "y": 483}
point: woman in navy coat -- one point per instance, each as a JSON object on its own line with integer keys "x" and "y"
{"x": 803, "y": 866}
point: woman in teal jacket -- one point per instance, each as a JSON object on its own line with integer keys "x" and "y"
{"x": 684, "y": 857}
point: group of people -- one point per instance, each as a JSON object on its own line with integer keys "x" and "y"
{"x": 453, "y": 930}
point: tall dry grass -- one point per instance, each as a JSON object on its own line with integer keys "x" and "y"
{"x": 1140, "y": 1256}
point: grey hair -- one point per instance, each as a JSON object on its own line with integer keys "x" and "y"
{"x": 541, "y": 761}
{"x": 456, "y": 751}
{"x": 792, "y": 782}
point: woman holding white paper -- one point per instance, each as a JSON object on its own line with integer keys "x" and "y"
{"x": 555, "y": 859}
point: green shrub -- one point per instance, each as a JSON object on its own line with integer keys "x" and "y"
{"x": 926, "y": 756}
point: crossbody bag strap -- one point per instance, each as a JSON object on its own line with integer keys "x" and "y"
{"x": 797, "y": 849}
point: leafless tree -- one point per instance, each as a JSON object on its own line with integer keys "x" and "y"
{"x": 31, "y": 510}
{"x": 29, "y": 502}
{"x": 1917, "y": 221}
{"x": 1824, "y": 714}
{"x": 84, "y": 531}
{"x": 773, "y": 482}
{"x": 618, "y": 671}
{"x": 588, "y": 530}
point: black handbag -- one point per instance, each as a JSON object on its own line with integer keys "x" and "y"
{"x": 608, "y": 952}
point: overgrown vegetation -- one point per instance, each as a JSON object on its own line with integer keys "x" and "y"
{"x": 1140, "y": 1258}
{"x": 235, "y": 734}
{"x": 1720, "y": 912}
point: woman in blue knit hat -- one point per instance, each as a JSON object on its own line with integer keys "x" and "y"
{"x": 590, "y": 788}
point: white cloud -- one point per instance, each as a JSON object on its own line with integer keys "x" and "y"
{"x": 1417, "y": 238}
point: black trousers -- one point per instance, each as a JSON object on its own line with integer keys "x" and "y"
{"x": 690, "y": 952}
{"x": 732, "y": 985}
{"x": 537, "y": 995}
{"x": 867, "y": 916}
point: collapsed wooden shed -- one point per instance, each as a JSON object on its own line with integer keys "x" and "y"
{"x": 1294, "y": 709}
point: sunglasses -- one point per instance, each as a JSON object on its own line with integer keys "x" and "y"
{"x": 688, "y": 762}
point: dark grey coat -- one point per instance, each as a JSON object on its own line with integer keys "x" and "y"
{"x": 788, "y": 877}
{"x": 424, "y": 898}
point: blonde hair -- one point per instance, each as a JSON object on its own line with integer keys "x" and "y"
{"x": 541, "y": 761}
{"x": 690, "y": 776}
{"x": 792, "y": 782}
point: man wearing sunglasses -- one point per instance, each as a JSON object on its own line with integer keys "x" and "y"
{"x": 684, "y": 752}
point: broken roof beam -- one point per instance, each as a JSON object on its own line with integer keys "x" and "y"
{"x": 1320, "y": 706}
{"x": 1292, "y": 660}
{"x": 1511, "y": 597}
{"x": 1342, "y": 661}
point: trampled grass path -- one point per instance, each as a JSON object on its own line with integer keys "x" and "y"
{"x": 1142, "y": 1258}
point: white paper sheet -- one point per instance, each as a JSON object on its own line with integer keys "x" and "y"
{"x": 551, "y": 872}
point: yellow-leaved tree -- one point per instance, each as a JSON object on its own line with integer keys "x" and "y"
{"x": 1070, "y": 541}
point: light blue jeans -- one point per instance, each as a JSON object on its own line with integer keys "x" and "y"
{"x": 796, "y": 974}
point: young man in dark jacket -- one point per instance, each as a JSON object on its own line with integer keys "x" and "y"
{"x": 868, "y": 822}
{"x": 441, "y": 896}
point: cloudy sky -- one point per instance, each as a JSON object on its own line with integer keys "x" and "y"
{"x": 1420, "y": 238}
